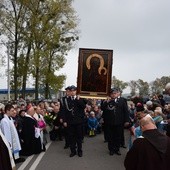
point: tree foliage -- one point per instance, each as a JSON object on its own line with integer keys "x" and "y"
{"x": 133, "y": 86}
{"x": 119, "y": 83}
{"x": 39, "y": 33}
{"x": 142, "y": 88}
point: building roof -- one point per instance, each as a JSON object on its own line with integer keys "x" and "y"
{"x": 28, "y": 90}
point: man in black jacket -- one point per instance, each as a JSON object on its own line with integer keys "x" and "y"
{"x": 64, "y": 101}
{"x": 116, "y": 116}
{"x": 73, "y": 114}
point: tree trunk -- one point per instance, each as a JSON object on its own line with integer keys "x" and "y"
{"x": 47, "y": 90}
{"x": 26, "y": 71}
{"x": 15, "y": 69}
{"x": 36, "y": 83}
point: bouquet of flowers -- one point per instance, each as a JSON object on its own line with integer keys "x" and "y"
{"x": 49, "y": 119}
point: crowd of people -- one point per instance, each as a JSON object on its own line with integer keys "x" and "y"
{"x": 23, "y": 127}
{"x": 150, "y": 148}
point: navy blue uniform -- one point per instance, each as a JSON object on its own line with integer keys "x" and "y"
{"x": 73, "y": 114}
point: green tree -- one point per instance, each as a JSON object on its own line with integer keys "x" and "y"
{"x": 40, "y": 33}
{"x": 158, "y": 85}
{"x": 133, "y": 86}
{"x": 11, "y": 23}
{"x": 143, "y": 87}
{"x": 119, "y": 83}
{"x": 53, "y": 25}
{"x": 165, "y": 80}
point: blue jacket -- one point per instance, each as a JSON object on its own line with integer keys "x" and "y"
{"x": 92, "y": 123}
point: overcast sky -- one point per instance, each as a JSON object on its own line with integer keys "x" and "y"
{"x": 138, "y": 31}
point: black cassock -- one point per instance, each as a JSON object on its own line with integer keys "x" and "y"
{"x": 31, "y": 144}
{"x": 5, "y": 163}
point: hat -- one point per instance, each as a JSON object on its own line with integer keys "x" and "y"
{"x": 149, "y": 103}
{"x": 114, "y": 90}
{"x": 67, "y": 88}
{"x": 139, "y": 107}
{"x": 73, "y": 87}
{"x": 28, "y": 107}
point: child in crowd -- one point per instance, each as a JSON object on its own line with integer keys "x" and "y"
{"x": 98, "y": 114}
{"x": 158, "y": 118}
{"x": 92, "y": 124}
{"x": 87, "y": 111}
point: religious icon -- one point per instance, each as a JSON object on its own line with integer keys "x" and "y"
{"x": 94, "y": 72}
{"x": 101, "y": 63}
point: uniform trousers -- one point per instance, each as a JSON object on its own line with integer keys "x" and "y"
{"x": 66, "y": 136}
{"x": 114, "y": 137}
{"x": 75, "y": 137}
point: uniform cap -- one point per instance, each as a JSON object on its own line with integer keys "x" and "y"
{"x": 67, "y": 88}
{"x": 73, "y": 87}
{"x": 115, "y": 89}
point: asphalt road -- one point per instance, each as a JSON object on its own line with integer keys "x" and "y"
{"x": 95, "y": 157}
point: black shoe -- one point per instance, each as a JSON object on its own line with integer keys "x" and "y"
{"x": 44, "y": 148}
{"x": 123, "y": 146}
{"x": 19, "y": 160}
{"x": 117, "y": 153}
{"x": 111, "y": 153}
{"x": 72, "y": 154}
{"x": 80, "y": 154}
{"x": 66, "y": 147}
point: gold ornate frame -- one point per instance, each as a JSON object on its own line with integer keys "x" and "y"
{"x": 94, "y": 72}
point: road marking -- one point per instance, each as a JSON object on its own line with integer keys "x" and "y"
{"x": 25, "y": 163}
{"x": 40, "y": 156}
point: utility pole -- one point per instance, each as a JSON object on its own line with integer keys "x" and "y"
{"x": 8, "y": 71}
